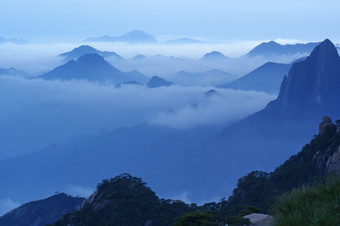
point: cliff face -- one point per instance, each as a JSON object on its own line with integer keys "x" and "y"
{"x": 311, "y": 87}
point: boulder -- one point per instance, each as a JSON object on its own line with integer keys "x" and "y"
{"x": 259, "y": 219}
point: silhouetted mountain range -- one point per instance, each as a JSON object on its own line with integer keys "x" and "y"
{"x": 195, "y": 162}
{"x": 86, "y": 49}
{"x": 270, "y": 49}
{"x": 133, "y": 37}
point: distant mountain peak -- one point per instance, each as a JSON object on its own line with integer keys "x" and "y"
{"x": 86, "y": 49}
{"x": 156, "y": 82}
{"x": 214, "y": 55}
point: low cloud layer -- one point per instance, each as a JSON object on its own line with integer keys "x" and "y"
{"x": 223, "y": 108}
{"x": 36, "y": 113}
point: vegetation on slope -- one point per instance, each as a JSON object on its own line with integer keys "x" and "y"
{"x": 311, "y": 205}
{"x": 261, "y": 189}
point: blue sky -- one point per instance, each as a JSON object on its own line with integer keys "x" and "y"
{"x": 213, "y": 19}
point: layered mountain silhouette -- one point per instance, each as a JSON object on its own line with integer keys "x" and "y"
{"x": 133, "y": 37}
{"x": 214, "y": 56}
{"x": 92, "y": 67}
{"x": 156, "y": 82}
{"x": 86, "y": 49}
{"x": 200, "y": 163}
{"x": 270, "y": 49}
{"x": 309, "y": 91}
{"x": 266, "y": 78}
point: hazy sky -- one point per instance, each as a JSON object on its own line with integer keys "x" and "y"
{"x": 64, "y": 20}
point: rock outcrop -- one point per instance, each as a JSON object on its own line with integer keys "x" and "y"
{"x": 326, "y": 121}
{"x": 333, "y": 163}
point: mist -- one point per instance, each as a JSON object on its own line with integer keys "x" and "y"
{"x": 161, "y": 59}
{"x": 36, "y": 113}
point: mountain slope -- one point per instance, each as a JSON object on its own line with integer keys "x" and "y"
{"x": 266, "y": 78}
{"x": 316, "y": 160}
{"x": 85, "y": 161}
{"x": 42, "y": 212}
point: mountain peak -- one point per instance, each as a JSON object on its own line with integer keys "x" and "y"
{"x": 273, "y": 43}
{"x": 325, "y": 50}
{"x": 311, "y": 87}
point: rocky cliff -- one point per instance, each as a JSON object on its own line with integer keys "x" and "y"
{"x": 316, "y": 160}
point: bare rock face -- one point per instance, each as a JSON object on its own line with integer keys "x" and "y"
{"x": 326, "y": 121}
{"x": 259, "y": 219}
{"x": 337, "y": 123}
{"x": 333, "y": 163}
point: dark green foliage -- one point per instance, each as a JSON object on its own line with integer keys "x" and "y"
{"x": 196, "y": 219}
{"x": 237, "y": 221}
{"x": 317, "y": 205}
{"x": 126, "y": 201}
{"x": 261, "y": 189}
{"x": 246, "y": 210}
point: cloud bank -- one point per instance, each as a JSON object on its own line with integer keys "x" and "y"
{"x": 36, "y": 113}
